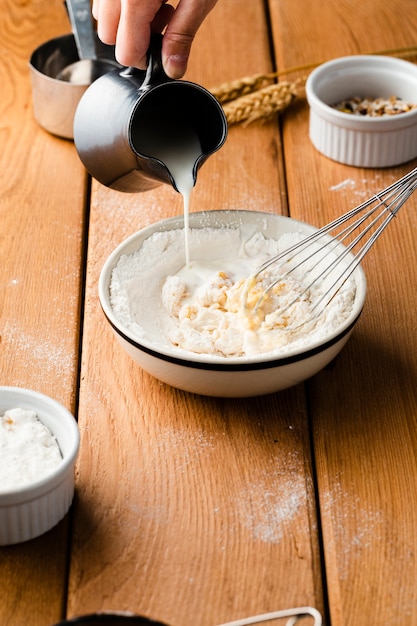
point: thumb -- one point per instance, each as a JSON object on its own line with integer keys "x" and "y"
{"x": 179, "y": 35}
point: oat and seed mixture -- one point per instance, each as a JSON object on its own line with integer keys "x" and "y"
{"x": 374, "y": 107}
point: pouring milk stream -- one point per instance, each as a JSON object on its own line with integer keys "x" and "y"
{"x": 136, "y": 129}
{"x": 178, "y": 146}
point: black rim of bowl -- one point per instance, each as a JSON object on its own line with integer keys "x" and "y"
{"x": 237, "y": 367}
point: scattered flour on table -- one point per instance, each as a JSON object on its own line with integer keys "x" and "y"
{"x": 361, "y": 189}
{"x": 269, "y": 516}
{"x": 38, "y": 354}
{"x": 357, "y": 527}
{"x": 271, "y": 500}
{"x": 348, "y": 183}
{"x": 206, "y": 307}
{"x": 28, "y": 449}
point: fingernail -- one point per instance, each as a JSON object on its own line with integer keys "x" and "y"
{"x": 175, "y": 65}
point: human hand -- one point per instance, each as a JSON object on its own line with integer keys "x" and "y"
{"x": 128, "y": 24}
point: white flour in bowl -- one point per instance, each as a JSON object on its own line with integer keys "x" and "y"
{"x": 28, "y": 449}
{"x": 206, "y": 307}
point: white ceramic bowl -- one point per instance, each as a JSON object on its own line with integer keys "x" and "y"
{"x": 363, "y": 141}
{"x": 217, "y": 375}
{"x": 30, "y": 511}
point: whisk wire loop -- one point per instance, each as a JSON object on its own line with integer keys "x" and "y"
{"x": 340, "y": 245}
{"x": 293, "y": 615}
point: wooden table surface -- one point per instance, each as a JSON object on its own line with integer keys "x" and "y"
{"x": 195, "y": 510}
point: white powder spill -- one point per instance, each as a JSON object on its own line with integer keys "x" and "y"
{"x": 272, "y": 515}
{"x": 268, "y": 505}
{"x": 359, "y": 190}
{"x": 39, "y": 355}
{"x": 357, "y": 527}
{"x": 199, "y": 443}
{"x": 207, "y": 306}
{"x": 348, "y": 183}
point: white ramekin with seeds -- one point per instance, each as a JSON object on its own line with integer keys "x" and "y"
{"x": 364, "y": 140}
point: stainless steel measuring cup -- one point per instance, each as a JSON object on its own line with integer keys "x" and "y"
{"x": 89, "y": 66}
{"x": 54, "y": 100}
{"x": 119, "y": 108}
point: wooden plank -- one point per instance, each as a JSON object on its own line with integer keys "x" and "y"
{"x": 190, "y": 509}
{"x": 364, "y": 408}
{"x": 42, "y": 218}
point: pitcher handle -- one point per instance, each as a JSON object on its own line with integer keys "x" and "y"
{"x": 155, "y": 74}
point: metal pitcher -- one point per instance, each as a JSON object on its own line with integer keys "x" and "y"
{"x": 122, "y": 113}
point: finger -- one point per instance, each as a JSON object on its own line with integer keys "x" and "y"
{"x": 107, "y": 14}
{"x": 127, "y": 24}
{"x": 162, "y": 18}
{"x": 94, "y": 8}
{"x": 133, "y": 37}
{"x": 180, "y": 34}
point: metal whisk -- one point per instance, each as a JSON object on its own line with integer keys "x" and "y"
{"x": 291, "y": 615}
{"x": 317, "y": 257}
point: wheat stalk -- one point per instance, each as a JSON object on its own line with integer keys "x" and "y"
{"x": 263, "y": 103}
{"x": 247, "y": 99}
{"x": 240, "y": 87}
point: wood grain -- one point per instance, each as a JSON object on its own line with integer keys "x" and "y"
{"x": 363, "y": 409}
{"x": 197, "y": 510}
{"x": 192, "y": 510}
{"x": 42, "y": 209}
